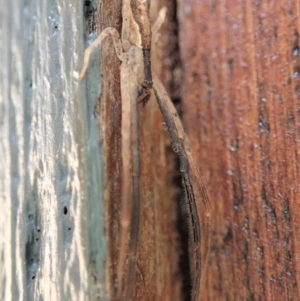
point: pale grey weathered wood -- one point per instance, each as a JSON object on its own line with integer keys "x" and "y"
{"x": 52, "y": 243}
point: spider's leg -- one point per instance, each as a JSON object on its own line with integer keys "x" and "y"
{"x": 117, "y": 43}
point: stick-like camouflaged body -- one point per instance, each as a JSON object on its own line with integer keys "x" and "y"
{"x": 134, "y": 51}
{"x": 196, "y": 199}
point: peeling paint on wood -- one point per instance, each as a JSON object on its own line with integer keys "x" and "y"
{"x": 52, "y": 241}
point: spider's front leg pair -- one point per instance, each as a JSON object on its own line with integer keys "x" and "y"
{"x": 136, "y": 32}
{"x": 133, "y": 73}
{"x": 133, "y": 77}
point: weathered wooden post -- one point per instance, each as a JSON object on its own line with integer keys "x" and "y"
{"x": 234, "y": 69}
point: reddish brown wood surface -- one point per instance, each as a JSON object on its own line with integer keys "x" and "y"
{"x": 240, "y": 98}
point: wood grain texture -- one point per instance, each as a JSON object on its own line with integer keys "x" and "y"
{"x": 241, "y": 110}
